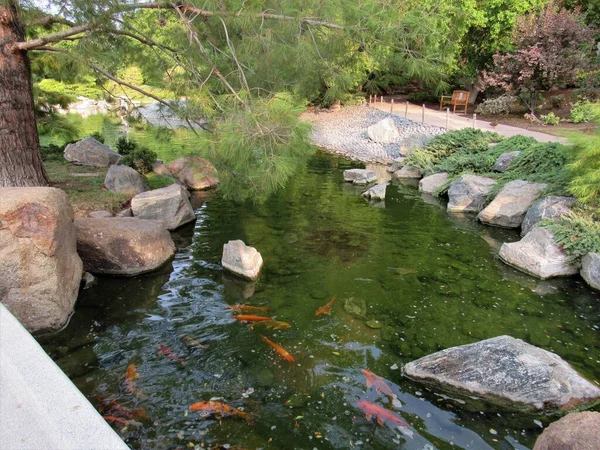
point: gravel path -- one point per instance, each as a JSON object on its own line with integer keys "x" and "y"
{"x": 345, "y": 132}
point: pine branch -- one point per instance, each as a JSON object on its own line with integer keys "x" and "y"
{"x": 34, "y": 44}
{"x": 51, "y": 20}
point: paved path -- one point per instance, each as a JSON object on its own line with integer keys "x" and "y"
{"x": 458, "y": 121}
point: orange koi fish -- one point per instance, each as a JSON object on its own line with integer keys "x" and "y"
{"x": 192, "y": 343}
{"x": 278, "y": 349}
{"x": 245, "y": 308}
{"x": 325, "y": 309}
{"x": 379, "y": 383}
{"x": 271, "y": 324}
{"x": 251, "y": 318}
{"x": 130, "y": 375}
{"x": 169, "y": 354}
{"x": 382, "y": 415}
{"x": 113, "y": 419}
{"x": 114, "y": 408}
{"x": 219, "y": 409}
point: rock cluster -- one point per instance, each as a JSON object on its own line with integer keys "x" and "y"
{"x": 407, "y": 172}
{"x": 194, "y": 173}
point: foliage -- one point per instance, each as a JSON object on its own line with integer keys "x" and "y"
{"x": 556, "y": 101}
{"x": 585, "y": 169}
{"x": 98, "y": 136}
{"x": 550, "y": 49}
{"x": 497, "y": 106}
{"x": 550, "y": 119}
{"x": 52, "y": 152}
{"x": 589, "y": 84}
{"x": 156, "y": 181}
{"x": 125, "y": 146}
{"x": 583, "y": 112}
{"x": 139, "y": 158}
{"x": 72, "y": 91}
{"x": 422, "y": 97}
{"x": 577, "y": 235}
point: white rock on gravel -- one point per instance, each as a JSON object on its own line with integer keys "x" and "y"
{"x": 432, "y": 183}
{"x": 359, "y": 176}
{"x": 383, "y": 132}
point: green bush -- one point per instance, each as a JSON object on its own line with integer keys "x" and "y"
{"x": 585, "y": 169}
{"x": 557, "y": 101}
{"x": 52, "y": 153}
{"x": 582, "y": 112}
{"x": 125, "y": 146}
{"x": 575, "y": 234}
{"x": 139, "y": 158}
{"x": 497, "y": 106}
{"x": 589, "y": 84}
{"x": 98, "y": 137}
{"x": 550, "y": 119}
{"x": 422, "y": 97}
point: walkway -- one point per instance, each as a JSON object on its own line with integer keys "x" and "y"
{"x": 459, "y": 121}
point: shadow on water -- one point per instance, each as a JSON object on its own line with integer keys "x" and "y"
{"x": 409, "y": 280}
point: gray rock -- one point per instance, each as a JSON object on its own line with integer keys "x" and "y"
{"x": 124, "y": 179}
{"x": 160, "y": 168}
{"x": 550, "y": 207}
{"x": 509, "y": 207}
{"x": 125, "y": 213}
{"x": 170, "y": 205}
{"x": 508, "y": 372}
{"x": 41, "y": 271}
{"x": 432, "y": 183}
{"x": 100, "y": 214}
{"x": 88, "y": 280}
{"x": 195, "y": 173}
{"x": 125, "y": 246}
{"x": 90, "y": 152}
{"x": 469, "y": 193}
{"x": 538, "y": 254}
{"x": 396, "y": 165}
{"x": 407, "y": 172}
{"x": 383, "y": 132}
{"x": 504, "y": 161}
{"x": 575, "y": 431}
{"x": 590, "y": 269}
{"x": 377, "y": 192}
{"x": 241, "y": 260}
{"x": 359, "y": 176}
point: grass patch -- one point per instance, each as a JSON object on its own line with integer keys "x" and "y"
{"x": 158, "y": 181}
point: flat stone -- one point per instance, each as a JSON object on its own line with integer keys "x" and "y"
{"x": 125, "y": 180}
{"x": 39, "y": 266}
{"x": 590, "y": 269}
{"x": 90, "y": 152}
{"x": 469, "y": 193}
{"x": 504, "y": 161}
{"x": 407, "y": 172}
{"x": 170, "y": 205}
{"x": 575, "y": 431}
{"x": 359, "y": 176}
{"x": 396, "y": 165}
{"x": 551, "y": 207}
{"x": 241, "y": 260}
{"x": 509, "y": 207}
{"x": 125, "y": 213}
{"x": 507, "y": 372}
{"x": 195, "y": 173}
{"x": 538, "y": 254}
{"x": 383, "y": 132}
{"x": 432, "y": 183}
{"x": 100, "y": 214}
{"x": 377, "y": 192}
{"x": 125, "y": 246}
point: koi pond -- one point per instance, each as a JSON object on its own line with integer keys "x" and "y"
{"x": 408, "y": 280}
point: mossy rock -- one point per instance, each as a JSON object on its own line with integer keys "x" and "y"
{"x": 356, "y": 308}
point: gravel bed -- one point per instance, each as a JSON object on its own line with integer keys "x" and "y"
{"x": 344, "y": 132}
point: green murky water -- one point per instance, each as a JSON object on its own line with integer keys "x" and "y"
{"x": 409, "y": 280}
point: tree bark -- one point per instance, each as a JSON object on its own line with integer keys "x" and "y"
{"x": 20, "y": 157}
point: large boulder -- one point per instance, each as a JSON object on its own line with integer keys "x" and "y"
{"x": 504, "y": 161}
{"x": 590, "y": 269}
{"x": 469, "y": 193}
{"x": 432, "y": 183}
{"x": 550, "y": 207}
{"x": 194, "y": 173}
{"x": 575, "y": 431}
{"x": 377, "y": 192}
{"x": 538, "y": 254}
{"x": 123, "y": 245}
{"x": 170, "y": 205}
{"x": 509, "y": 207}
{"x": 383, "y": 132}
{"x": 359, "y": 176}
{"x": 90, "y": 152}
{"x": 396, "y": 165}
{"x": 40, "y": 268}
{"x": 407, "y": 172}
{"x": 507, "y": 372}
{"x": 124, "y": 179}
{"x": 160, "y": 168}
{"x": 241, "y": 260}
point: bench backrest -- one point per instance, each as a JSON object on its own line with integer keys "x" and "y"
{"x": 460, "y": 96}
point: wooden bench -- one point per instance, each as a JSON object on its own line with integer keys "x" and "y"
{"x": 458, "y": 98}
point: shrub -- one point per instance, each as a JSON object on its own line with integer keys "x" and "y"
{"x": 125, "y": 146}
{"x": 556, "y": 101}
{"x": 585, "y": 169}
{"x": 98, "y": 137}
{"x": 140, "y": 159}
{"x": 497, "y": 106}
{"x": 582, "y": 112}
{"x": 575, "y": 234}
{"x": 589, "y": 84}
{"x": 550, "y": 119}
{"x": 52, "y": 153}
{"x": 421, "y": 97}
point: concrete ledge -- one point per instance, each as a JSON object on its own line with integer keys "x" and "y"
{"x": 40, "y": 408}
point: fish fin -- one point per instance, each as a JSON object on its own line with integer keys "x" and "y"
{"x": 369, "y": 382}
{"x": 380, "y": 421}
{"x": 368, "y": 416}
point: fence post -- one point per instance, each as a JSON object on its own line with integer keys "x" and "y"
{"x": 474, "y": 120}
{"x": 406, "y": 111}
{"x": 423, "y": 114}
{"x": 447, "y": 117}
{"x": 392, "y": 107}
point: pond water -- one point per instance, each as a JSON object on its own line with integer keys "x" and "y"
{"x": 408, "y": 280}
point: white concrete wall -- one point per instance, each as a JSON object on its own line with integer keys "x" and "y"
{"x": 40, "y": 408}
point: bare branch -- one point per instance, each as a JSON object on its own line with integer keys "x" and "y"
{"x": 50, "y": 20}
{"x": 50, "y": 38}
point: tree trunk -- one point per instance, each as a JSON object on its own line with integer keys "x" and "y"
{"x": 20, "y": 157}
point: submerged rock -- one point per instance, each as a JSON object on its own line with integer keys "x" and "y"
{"x": 508, "y": 372}
{"x": 407, "y": 172}
{"x": 41, "y": 271}
{"x": 356, "y": 308}
{"x": 359, "y": 176}
{"x": 241, "y": 259}
{"x": 170, "y": 205}
{"x": 590, "y": 269}
{"x": 575, "y": 431}
{"x": 432, "y": 183}
{"x": 538, "y": 254}
{"x": 550, "y": 207}
{"x": 377, "y": 192}
{"x": 508, "y": 208}
{"x": 383, "y": 132}
{"x": 124, "y": 179}
{"x": 396, "y": 165}
{"x": 469, "y": 193}
{"x": 194, "y": 173}
{"x": 90, "y": 152}
{"x": 504, "y": 161}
